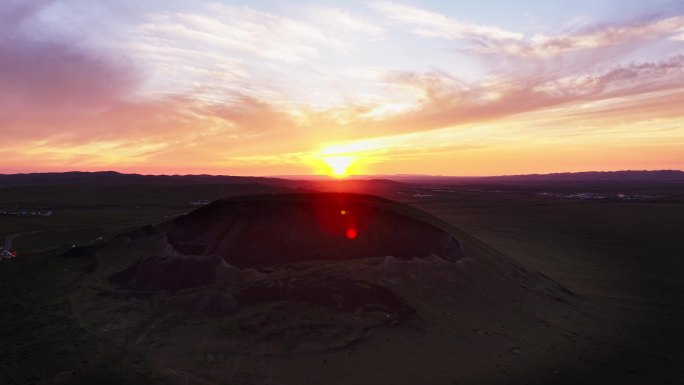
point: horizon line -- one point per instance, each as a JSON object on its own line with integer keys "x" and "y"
{"x": 351, "y": 176}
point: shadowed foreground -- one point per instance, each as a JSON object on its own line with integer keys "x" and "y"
{"x": 270, "y": 289}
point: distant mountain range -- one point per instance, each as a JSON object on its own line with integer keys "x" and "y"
{"x": 588, "y": 176}
{"x": 107, "y": 178}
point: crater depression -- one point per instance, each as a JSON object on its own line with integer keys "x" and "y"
{"x": 338, "y": 278}
{"x": 276, "y": 229}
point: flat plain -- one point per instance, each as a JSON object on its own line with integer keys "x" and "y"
{"x": 615, "y": 247}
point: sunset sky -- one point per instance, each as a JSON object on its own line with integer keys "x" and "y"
{"x": 281, "y": 88}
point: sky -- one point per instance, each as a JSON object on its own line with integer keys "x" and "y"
{"x": 362, "y": 87}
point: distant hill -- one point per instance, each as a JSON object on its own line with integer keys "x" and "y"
{"x": 629, "y": 175}
{"x": 112, "y": 178}
{"x": 588, "y": 176}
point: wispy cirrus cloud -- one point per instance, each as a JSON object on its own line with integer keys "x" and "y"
{"x": 492, "y": 39}
{"x": 215, "y": 50}
{"x": 433, "y": 24}
{"x": 241, "y": 29}
{"x": 603, "y": 36}
{"x": 445, "y": 102}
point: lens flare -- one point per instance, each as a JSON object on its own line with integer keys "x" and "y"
{"x": 351, "y": 233}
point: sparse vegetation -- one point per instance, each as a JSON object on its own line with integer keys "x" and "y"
{"x": 620, "y": 262}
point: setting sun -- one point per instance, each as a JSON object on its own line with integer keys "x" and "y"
{"x": 339, "y": 165}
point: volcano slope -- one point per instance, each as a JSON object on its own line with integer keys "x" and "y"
{"x": 324, "y": 288}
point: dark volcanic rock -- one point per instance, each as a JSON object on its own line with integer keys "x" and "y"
{"x": 277, "y": 229}
{"x": 334, "y": 292}
{"x": 209, "y": 303}
{"x": 81, "y": 251}
{"x": 158, "y": 273}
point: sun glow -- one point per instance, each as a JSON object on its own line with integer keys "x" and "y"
{"x": 342, "y": 159}
{"x": 339, "y": 165}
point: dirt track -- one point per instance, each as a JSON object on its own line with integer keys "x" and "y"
{"x": 7, "y": 245}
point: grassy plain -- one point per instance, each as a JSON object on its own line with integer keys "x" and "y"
{"x": 82, "y": 214}
{"x": 623, "y": 258}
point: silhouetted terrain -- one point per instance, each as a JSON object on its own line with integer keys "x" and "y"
{"x": 112, "y": 178}
{"x": 265, "y": 230}
{"x": 588, "y": 176}
{"x": 538, "y": 283}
